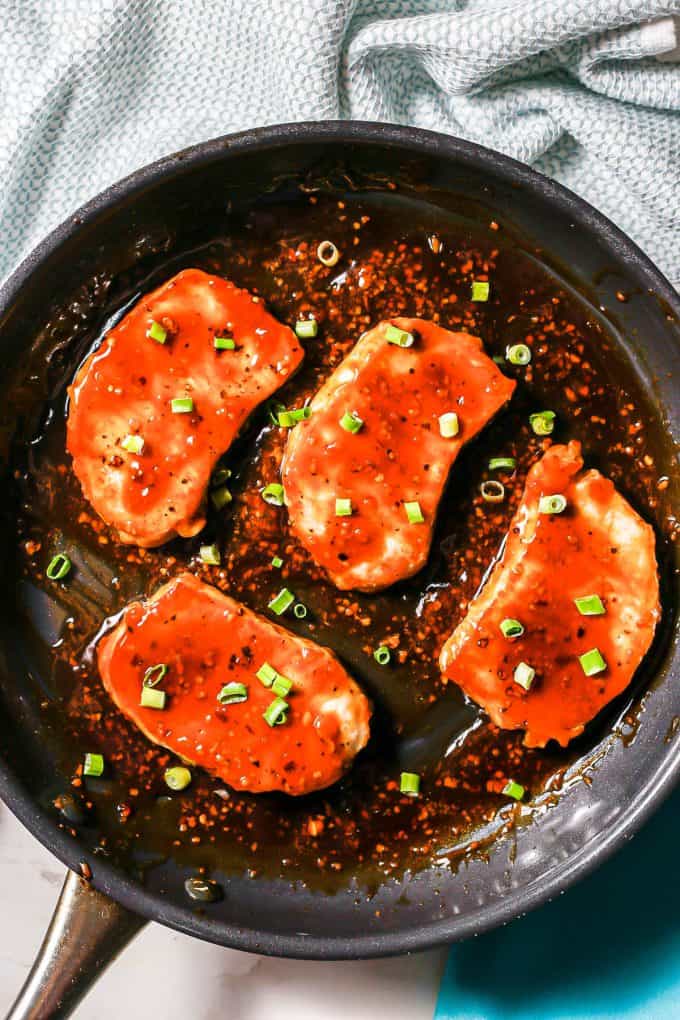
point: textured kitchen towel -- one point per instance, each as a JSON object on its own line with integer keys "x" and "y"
{"x": 92, "y": 89}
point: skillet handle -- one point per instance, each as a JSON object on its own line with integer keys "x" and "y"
{"x": 87, "y": 932}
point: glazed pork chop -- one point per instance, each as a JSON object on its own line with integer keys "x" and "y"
{"x": 223, "y": 673}
{"x": 363, "y": 476}
{"x": 154, "y": 407}
{"x": 568, "y": 611}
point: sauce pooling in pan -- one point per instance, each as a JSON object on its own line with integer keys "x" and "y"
{"x": 398, "y": 258}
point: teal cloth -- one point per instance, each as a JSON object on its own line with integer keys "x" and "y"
{"x": 92, "y": 89}
{"x": 608, "y": 949}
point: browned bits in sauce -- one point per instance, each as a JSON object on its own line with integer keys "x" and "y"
{"x": 391, "y": 266}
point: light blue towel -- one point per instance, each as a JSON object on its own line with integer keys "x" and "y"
{"x": 92, "y": 89}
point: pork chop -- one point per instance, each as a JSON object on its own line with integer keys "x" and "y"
{"x": 582, "y": 583}
{"x": 209, "y": 644}
{"x": 154, "y": 407}
{"x": 363, "y": 475}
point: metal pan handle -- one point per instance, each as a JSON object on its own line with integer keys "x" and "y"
{"x": 87, "y": 932}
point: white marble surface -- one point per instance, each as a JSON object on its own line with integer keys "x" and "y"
{"x": 167, "y": 976}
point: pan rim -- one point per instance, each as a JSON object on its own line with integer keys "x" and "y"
{"x": 660, "y": 783}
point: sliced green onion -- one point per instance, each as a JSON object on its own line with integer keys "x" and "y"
{"x": 219, "y": 477}
{"x": 157, "y": 333}
{"x": 502, "y": 464}
{"x": 300, "y": 610}
{"x": 382, "y": 655}
{"x": 343, "y": 507}
{"x": 543, "y": 422}
{"x": 273, "y": 494}
{"x": 281, "y": 602}
{"x": 592, "y": 662}
{"x": 286, "y": 419}
{"x": 281, "y": 686}
{"x": 518, "y": 354}
{"x": 492, "y": 491}
{"x": 554, "y": 504}
{"x": 233, "y": 693}
{"x": 133, "y": 444}
{"x": 524, "y": 675}
{"x": 58, "y": 567}
{"x": 266, "y": 674}
{"x": 409, "y": 783}
{"x": 177, "y": 778}
{"x": 514, "y": 790}
{"x": 182, "y": 405}
{"x": 277, "y": 562}
{"x": 301, "y": 413}
{"x": 210, "y": 554}
{"x": 590, "y": 605}
{"x": 511, "y": 628}
{"x": 221, "y": 497}
{"x": 152, "y": 697}
{"x": 480, "y": 290}
{"x": 93, "y": 765}
{"x": 327, "y": 253}
{"x": 224, "y": 343}
{"x": 306, "y": 329}
{"x": 400, "y": 337}
{"x": 276, "y": 712}
{"x": 413, "y": 512}
{"x": 449, "y": 425}
{"x": 154, "y": 674}
{"x": 351, "y": 422}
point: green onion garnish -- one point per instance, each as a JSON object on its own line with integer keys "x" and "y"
{"x": 382, "y": 655}
{"x": 413, "y": 512}
{"x": 93, "y": 765}
{"x": 224, "y": 343}
{"x": 449, "y": 425}
{"x": 266, "y": 674}
{"x": 277, "y": 562}
{"x": 157, "y": 333}
{"x": 397, "y": 336}
{"x": 502, "y": 464}
{"x": 554, "y": 504}
{"x": 299, "y": 610}
{"x": 351, "y": 422}
{"x": 281, "y": 602}
{"x": 343, "y": 507}
{"x": 480, "y": 290}
{"x": 276, "y": 712}
{"x": 219, "y": 477}
{"x": 286, "y": 419}
{"x": 233, "y": 693}
{"x": 182, "y": 405}
{"x": 327, "y": 253}
{"x": 273, "y": 494}
{"x": 281, "y": 686}
{"x": 210, "y": 554}
{"x": 306, "y": 329}
{"x": 409, "y": 783}
{"x": 514, "y": 790}
{"x": 58, "y": 567}
{"x": 524, "y": 675}
{"x": 492, "y": 491}
{"x": 592, "y": 662}
{"x": 152, "y": 697}
{"x": 543, "y": 422}
{"x": 511, "y": 628}
{"x": 154, "y": 675}
{"x": 221, "y": 497}
{"x": 518, "y": 354}
{"x": 590, "y": 605}
{"x": 133, "y": 444}
{"x": 177, "y": 778}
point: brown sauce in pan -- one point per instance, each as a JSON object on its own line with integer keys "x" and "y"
{"x": 397, "y": 258}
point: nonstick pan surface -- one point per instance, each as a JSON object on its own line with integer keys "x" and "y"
{"x": 61, "y": 298}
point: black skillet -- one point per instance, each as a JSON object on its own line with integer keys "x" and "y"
{"x": 616, "y": 784}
